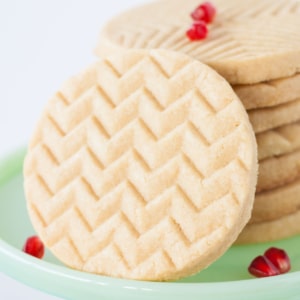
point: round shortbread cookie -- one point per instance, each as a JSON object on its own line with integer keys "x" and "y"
{"x": 277, "y": 171}
{"x": 278, "y": 141}
{"x": 270, "y": 93}
{"x": 263, "y": 119}
{"x": 249, "y": 41}
{"x": 282, "y": 228}
{"x": 143, "y": 167}
{"x": 276, "y": 203}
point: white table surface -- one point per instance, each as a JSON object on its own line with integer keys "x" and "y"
{"x": 42, "y": 43}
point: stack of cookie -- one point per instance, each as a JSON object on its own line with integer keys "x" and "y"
{"x": 274, "y": 110}
{"x": 144, "y": 166}
{"x": 255, "y": 45}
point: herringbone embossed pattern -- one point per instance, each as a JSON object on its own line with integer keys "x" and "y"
{"x": 250, "y": 41}
{"x": 142, "y": 167}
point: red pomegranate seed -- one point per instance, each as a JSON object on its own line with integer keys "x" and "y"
{"x": 205, "y": 12}
{"x": 198, "y": 31}
{"x": 34, "y": 246}
{"x": 262, "y": 267}
{"x": 279, "y": 259}
{"x": 198, "y": 14}
{"x": 274, "y": 262}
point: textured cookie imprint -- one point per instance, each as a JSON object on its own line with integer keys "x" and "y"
{"x": 276, "y": 203}
{"x": 269, "y": 93}
{"x": 250, "y": 41}
{"x": 263, "y": 119}
{"x": 278, "y": 141}
{"x": 284, "y": 227}
{"x": 142, "y": 167}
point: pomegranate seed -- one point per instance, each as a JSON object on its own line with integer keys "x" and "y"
{"x": 274, "y": 262}
{"x": 279, "y": 259}
{"x": 262, "y": 267}
{"x": 205, "y": 12}
{"x": 34, "y": 246}
{"x": 198, "y": 31}
{"x": 198, "y": 14}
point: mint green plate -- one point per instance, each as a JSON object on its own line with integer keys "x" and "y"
{"x": 225, "y": 279}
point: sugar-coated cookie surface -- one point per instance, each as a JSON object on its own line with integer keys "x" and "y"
{"x": 250, "y": 41}
{"x": 144, "y": 167}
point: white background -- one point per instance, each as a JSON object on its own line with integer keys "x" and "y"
{"x": 42, "y": 43}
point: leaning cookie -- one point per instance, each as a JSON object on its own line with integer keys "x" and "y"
{"x": 142, "y": 167}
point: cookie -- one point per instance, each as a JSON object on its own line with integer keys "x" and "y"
{"x": 282, "y": 228}
{"x": 249, "y": 41}
{"x": 278, "y": 141}
{"x": 264, "y": 119}
{"x": 276, "y": 203}
{"x": 142, "y": 167}
{"x": 269, "y": 93}
{"x": 277, "y": 171}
